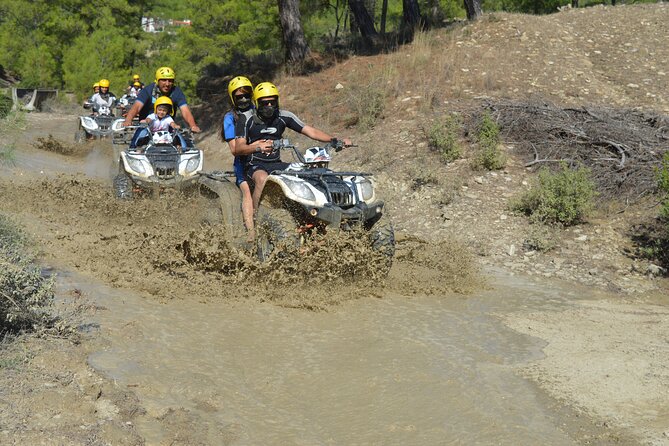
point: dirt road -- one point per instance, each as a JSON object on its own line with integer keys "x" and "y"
{"x": 180, "y": 354}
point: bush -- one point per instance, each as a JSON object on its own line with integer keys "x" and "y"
{"x": 563, "y": 197}
{"x": 367, "y": 103}
{"x": 491, "y": 156}
{"x": 5, "y": 106}
{"x": 24, "y": 293}
{"x": 443, "y": 137}
{"x": 663, "y": 186}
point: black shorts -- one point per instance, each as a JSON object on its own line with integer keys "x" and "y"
{"x": 268, "y": 167}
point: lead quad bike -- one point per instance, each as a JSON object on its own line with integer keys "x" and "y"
{"x": 309, "y": 197}
{"x": 97, "y": 125}
{"x": 160, "y": 160}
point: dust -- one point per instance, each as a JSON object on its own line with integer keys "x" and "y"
{"x": 169, "y": 247}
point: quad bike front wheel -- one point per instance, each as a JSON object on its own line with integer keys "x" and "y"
{"x": 382, "y": 239}
{"x": 277, "y": 233}
{"x": 122, "y": 186}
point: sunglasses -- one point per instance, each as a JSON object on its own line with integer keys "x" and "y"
{"x": 267, "y": 102}
{"x": 243, "y": 96}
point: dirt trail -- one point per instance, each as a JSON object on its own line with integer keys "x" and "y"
{"x": 448, "y": 350}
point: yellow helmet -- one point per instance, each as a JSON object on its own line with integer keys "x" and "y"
{"x": 135, "y": 77}
{"x": 264, "y": 90}
{"x": 104, "y": 83}
{"x": 236, "y": 83}
{"x": 164, "y": 73}
{"x": 137, "y": 84}
{"x": 164, "y": 100}
{"x": 96, "y": 85}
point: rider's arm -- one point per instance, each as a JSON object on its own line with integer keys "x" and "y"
{"x": 188, "y": 117}
{"x": 319, "y": 135}
{"x": 134, "y": 110}
{"x": 241, "y": 147}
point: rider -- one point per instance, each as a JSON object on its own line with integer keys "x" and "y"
{"x": 240, "y": 90}
{"x": 255, "y": 136}
{"x": 163, "y": 86}
{"x": 133, "y": 84}
{"x": 134, "y": 90}
{"x": 102, "y": 98}
{"x": 158, "y": 121}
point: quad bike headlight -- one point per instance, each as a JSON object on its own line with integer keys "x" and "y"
{"x": 300, "y": 189}
{"x": 366, "y": 189}
{"x": 136, "y": 165}
{"x": 192, "y": 164}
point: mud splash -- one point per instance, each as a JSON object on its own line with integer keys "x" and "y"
{"x": 172, "y": 247}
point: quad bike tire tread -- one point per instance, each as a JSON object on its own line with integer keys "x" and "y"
{"x": 277, "y": 232}
{"x": 382, "y": 237}
{"x": 229, "y": 202}
{"x": 123, "y": 186}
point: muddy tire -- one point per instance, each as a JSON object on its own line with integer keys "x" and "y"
{"x": 229, "y": 202}
{"x": 79, "y": 136}
{"x": 122, "y": 186}
{"x": 382, "y": 239}
{"x": 277, "y": 234}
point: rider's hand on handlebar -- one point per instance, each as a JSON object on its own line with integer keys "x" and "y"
{"x": 195, "y": 129}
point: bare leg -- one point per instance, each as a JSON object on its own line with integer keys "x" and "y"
{"x": 259, "y": 178}
{"x": 247, "y": 209}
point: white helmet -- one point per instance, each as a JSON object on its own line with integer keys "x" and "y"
{"x": 162, "y": 137}
{"x": 317, "y": 155}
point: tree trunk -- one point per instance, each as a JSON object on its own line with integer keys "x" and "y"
{"x": 411, "y": 17}
{"x": 364, "y": 22}
{"x": 473, "y": 8}
{"x": 384, "y": 12}
{"x": 294, "y": 41}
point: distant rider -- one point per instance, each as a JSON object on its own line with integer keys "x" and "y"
{"x": 103, "y": 98}
{"x": 255, "y": 136}
{"x": 135, "y": 84}
{"x": 163, "y": 86}
{"x": 240, "y": 90}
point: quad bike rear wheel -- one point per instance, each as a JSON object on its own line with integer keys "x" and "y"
{"x": 123, "y": 186}
{"x": 277, "y": 233}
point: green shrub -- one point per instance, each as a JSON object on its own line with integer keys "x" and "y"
{"x": 7, "y": 155}
{"x": 490, "y": 156}
{"x": 24, "y": 293}
{"x": 5, "y": 106}
{"x": 443, "y": 137}
{"x": 563, "y": 197}
{"x": 663, "y": 186}
{"x": 367, "y": 103}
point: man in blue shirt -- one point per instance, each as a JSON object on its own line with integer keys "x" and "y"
{"x": 163, "y": 86}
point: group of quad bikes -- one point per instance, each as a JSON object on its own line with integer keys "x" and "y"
{"x": 306, "y": 198}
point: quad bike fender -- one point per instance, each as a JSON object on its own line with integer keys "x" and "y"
{"x": 136, "y": 165}
{"x": 294, "y": 189}
{"x": 88, "y": 123}
{"x": 191, "y": 163}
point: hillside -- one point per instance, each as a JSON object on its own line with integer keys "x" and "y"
{"x": 615, "y": 58}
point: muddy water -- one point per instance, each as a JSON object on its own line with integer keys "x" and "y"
{"x": 397, "y": 370}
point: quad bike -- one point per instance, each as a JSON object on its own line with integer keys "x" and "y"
{"x": 96, "y": 125}
{"x": 309, "y": 197}
{"x": 160, "y": 160}
{"x": 125, "y": 104}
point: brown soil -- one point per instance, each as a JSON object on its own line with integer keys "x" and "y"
{"x": 446, "y": 227}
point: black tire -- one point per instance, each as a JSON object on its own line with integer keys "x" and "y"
{"x": 382, "y": 238}
{"x": 276, "y": 233}
{"x": 123, "y": 186}
{"x": 79, "y": 136}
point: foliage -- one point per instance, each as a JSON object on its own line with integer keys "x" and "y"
{"x": 491, "y": 156}
{"x": 443, "y": 137}
{"x": 663, "y": 186}
{"x": 541, "y": 238}
{"x": 564, "y": 197}
{"x": 367, "y": 102}
{"x": 24, "y": 293}
{"x": 5, "y": 106}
